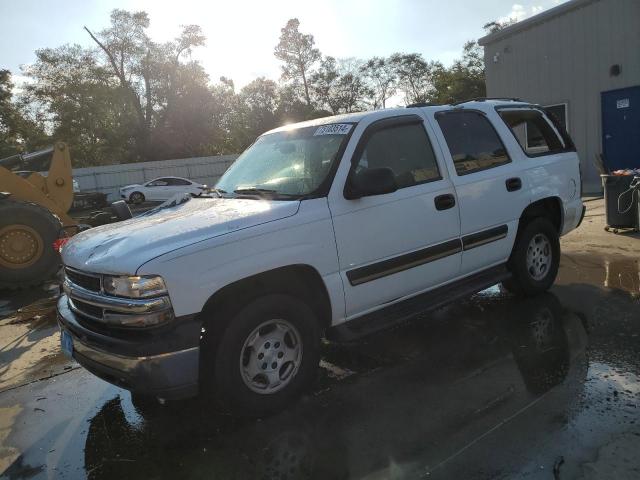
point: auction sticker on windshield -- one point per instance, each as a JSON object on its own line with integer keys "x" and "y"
{"x": 334, "y": 129}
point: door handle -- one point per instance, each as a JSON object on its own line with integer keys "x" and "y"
{"x": 513, "y": 184}
{"x": 444, "y": 202}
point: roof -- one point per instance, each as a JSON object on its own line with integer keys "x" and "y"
{"x": 535, "y": 20}
{"x": 347, "y": 118}
{"x": 477, "y": 103}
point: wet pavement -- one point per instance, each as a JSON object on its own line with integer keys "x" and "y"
{"x": 491, "y": 387}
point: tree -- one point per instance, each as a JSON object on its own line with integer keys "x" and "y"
{"x": 381, "y": 74}
{"x": 18, "y": 133}
{"x": 497, "y": 25}
{"x": 337, "y": 87}
{"x": 259, "y": 100}
{"x": 298, "y": 53}
{"x": 464, "y": 80}
{"x": 323, "y": 85}
{"x": 292, "y": 109}
{"x": 80, "y": 103}
{"x": 138, "y": 64}
{"x": 415, "y": 76}
{"x": 183, "y": 127}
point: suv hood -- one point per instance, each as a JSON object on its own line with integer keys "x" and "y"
{"x": 121, "y": 248}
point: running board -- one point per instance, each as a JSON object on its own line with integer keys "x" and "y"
{"x": 391, "y": 315}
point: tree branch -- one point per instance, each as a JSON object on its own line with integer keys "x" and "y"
{"x": 110, "y": 56}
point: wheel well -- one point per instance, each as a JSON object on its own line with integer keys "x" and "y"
{"x": 302, "y": 281}
{"x": 550, "y": 207}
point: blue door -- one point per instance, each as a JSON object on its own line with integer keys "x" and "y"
{"x": 621, "y": 128}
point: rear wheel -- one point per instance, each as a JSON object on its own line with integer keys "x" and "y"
{"x": 535, "y": 258}
{"x": 267, "y": 355}
{"x": 27, "y": 233}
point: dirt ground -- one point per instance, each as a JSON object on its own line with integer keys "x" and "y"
{"x": 591, "y": 237}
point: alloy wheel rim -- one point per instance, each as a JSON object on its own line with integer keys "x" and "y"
{"x": 539, "y": 256}
{"x": 271, "y": 356}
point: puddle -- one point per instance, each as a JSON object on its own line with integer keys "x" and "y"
{"x": 614, "y": 272}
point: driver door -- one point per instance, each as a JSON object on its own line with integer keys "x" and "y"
{"x": 398, "y": 244}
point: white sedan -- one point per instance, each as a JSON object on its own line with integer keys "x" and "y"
{"x": 160, "y": 189}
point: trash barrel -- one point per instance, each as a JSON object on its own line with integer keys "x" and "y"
{"x": 626, "y": 215}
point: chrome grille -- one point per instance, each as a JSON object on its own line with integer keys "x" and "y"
{"x": 87, "y": 309}
{"x": 89, "y": 282}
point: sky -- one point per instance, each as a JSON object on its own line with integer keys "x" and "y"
{"x": 241, "y": 34}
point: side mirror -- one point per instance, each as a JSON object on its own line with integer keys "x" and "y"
{"x": 372, "y": 181}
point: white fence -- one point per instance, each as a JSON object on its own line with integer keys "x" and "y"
{"x": 109, "y": 178}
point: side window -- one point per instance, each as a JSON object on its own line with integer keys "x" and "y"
{"x": 406, "y": 150}
{"x": 177, "y": 181}
{"x": 161, "y": 182}
{"x": 559, "y": 113}
{"x": 533, "y": 131}
{"x": 472, "y": 141}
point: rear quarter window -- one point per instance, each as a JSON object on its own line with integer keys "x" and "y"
{"x": 535, "y": 133}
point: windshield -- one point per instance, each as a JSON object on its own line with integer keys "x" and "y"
{"x": 291, "y": 163}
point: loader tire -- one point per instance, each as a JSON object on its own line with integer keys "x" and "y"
{"x": 27, "y": 233}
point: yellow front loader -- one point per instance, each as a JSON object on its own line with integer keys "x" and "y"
{"x": 33, "y": 215}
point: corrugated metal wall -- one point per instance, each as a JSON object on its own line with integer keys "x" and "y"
{"x": 109, "y": 178}
{"x": 566, "y": 59}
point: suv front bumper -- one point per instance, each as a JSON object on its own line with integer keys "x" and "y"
{"x": 136, "y": 363}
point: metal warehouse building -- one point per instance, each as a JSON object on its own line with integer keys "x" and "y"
{"x": 582, "y": 59}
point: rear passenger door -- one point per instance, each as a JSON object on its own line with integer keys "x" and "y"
{"x": 176, "y": 186}
{"x": 491, "y": 190}
{"x": 397, "y": 244}
{"x": 155, "y": 190}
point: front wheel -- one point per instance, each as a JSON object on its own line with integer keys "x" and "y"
{"x": 535, "y": 258}
{"x": 267, "y": 355}
{"x": 136, "y": 198}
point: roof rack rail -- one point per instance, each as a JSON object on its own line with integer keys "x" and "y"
{"x": 422, "y": 104}
{"x": 484, "y": 99}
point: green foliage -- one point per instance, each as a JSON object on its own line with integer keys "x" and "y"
{"x": 416, "y": 76}
{"x": 464, "y": 80}
{"x": 497, "y": 25}
{"x": 18, "y": 133}
{"x": 297, "y": 52}
{"x": 383, "y": 78}
{"x": 132, "y": 99}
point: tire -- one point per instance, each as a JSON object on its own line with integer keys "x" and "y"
{"x": 136, "y": 198}
{"x": 229, "y": 379}
{"x": 40, "y": 228}
{"x": 535, "y": 258}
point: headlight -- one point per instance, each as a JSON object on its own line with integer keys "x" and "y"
{"x": 134, "y": 287}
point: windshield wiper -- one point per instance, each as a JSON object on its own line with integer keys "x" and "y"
{"x": 265, "y": 193}
{"x": 218, "y": 191}
{"x": 255, "y": 191}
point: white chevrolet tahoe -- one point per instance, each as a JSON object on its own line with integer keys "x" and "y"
{"x": 338, "y": 226}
